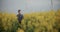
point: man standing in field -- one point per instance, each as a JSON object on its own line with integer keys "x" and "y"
{"x": 19, "y": 16}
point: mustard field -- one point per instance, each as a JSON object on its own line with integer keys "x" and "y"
{"x": 32, "y": 22}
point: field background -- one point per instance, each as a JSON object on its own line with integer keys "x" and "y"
{"x": 33, "y": 22}
{"x": 39, "y": 15}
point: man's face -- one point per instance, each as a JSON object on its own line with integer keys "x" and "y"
{"x": 19, "y": 11}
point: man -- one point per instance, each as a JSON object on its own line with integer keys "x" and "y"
{"x": 19, "y": 16}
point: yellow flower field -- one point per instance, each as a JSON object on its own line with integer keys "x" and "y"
{"x": 33, "y": 22}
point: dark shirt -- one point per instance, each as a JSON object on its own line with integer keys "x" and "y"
{"x": 20, "y": 17}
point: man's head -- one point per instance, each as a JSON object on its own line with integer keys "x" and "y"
{"x": 19, "y": 11}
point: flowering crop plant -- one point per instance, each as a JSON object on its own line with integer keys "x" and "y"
{"x": 32, "y": 22}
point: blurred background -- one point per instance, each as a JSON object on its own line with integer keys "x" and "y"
{"x": 27, "y": 6}
{"x": 38, "y": 15}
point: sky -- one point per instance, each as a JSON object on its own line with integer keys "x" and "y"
{"x": 12, "y": 6}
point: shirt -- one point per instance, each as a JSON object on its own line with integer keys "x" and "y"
{"x": 20, "y": 17}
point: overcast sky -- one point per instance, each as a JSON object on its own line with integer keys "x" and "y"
{"x": 27, "y": 6}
